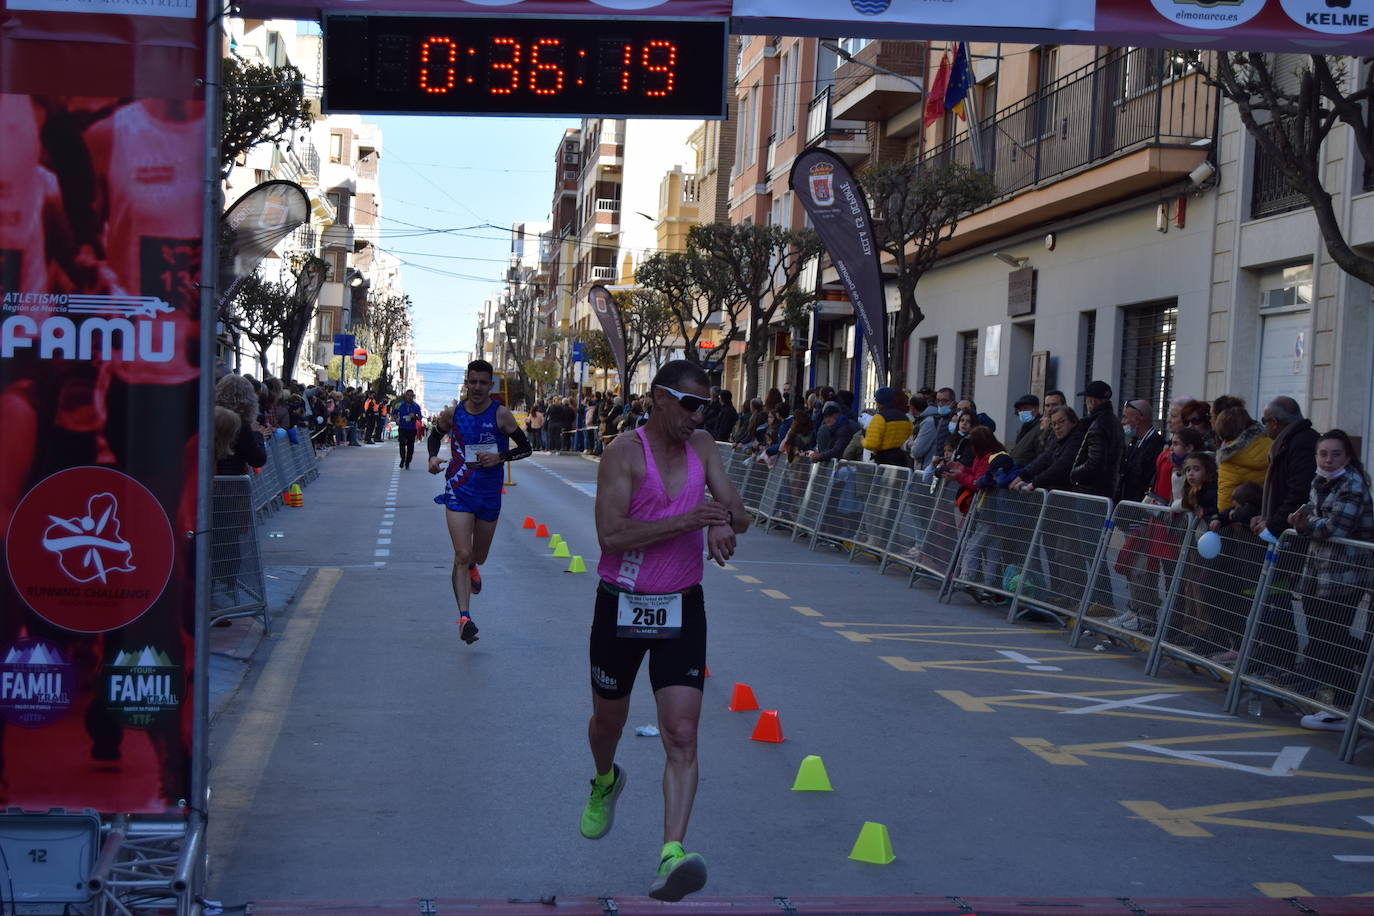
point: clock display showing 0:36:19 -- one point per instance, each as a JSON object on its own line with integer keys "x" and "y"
{"x": 546, "y": 66}
{"x": 526, "y": 65}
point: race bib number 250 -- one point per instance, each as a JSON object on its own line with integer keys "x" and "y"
{"x": 649, "y": 616}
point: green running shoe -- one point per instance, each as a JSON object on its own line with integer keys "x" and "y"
{"x": 678, "y": 876}
{"x": 599, "y": 814}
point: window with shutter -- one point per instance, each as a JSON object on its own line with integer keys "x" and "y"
{"x": 968, "y": 364}
{"x": 1149, "y": 344}
{"x": 930, "y": 351}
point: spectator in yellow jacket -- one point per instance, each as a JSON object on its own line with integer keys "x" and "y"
{"x": 1243, "y": 455}
{"x": 888, "y": 430}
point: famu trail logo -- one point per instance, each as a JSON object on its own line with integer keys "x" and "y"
{"x": 35, "y": 684}
{"x": 90, "y": 549}
{"x": 142, "y": 685}
{"x": 85, "y": 327}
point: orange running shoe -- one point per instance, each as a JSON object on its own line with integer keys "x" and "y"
{"x": 476, "y": 578}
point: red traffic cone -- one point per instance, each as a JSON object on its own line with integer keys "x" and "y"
{"x": 529, "y": 522}
{"x": 706, "y": 671}
{"x": 542, "y": 531}
{"x": 742, "y": 699}
{"x": 769, "y": 728}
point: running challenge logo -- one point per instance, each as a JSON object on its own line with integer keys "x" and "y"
{"x": 89, "y": 549}
{"x": 86, "y": 327}
{"x": 1208, "y": 14}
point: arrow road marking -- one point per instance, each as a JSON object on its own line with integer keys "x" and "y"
{"x": 1140, "y": 702}
{"x": 1031, "y": 663}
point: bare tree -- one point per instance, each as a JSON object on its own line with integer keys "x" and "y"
{"x": 697, "y": 294}
{"x": 259, "y": 313}
{"x": 763, "y": 264}
{"x": 386, "y": 325}
{"x": 1290, "y": 116}
{"x": 519, "y": 314}
{"x": 648, "y": 323}
{"x": 916, "y": 208}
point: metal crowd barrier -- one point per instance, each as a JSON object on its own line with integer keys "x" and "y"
{"x": 238, "y": 587}
{"x": 885, "y": 495}
{"x": 1307, "y": 638}
{"x": 1293, "y": 622}
{"x": 287, "y": 463}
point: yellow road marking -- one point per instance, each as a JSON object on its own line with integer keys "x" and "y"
{"x": 728, "y": 568}
{"x": 774, "y": 593}
{"x": 853, "y": 637}
{"x": 1049, "y": 753}
{"x": 1281, "y": 889}
{"x": 239, "y": 771}
{"x": 965, "y": 701}
{"x": 807, "y": 611}
{"x": 749, "y": 579}
{"x": 1188, "y": 821}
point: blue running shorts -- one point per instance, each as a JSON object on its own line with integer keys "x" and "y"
{"x": 485, "y": 508}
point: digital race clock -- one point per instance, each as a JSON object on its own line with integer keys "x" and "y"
{"x": 663, "y": 68}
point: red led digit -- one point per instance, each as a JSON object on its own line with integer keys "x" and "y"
{"x": 554, "y": 84}
{"x": 437, "y": 45}
{"x": 513, "y": 65}
{"x": 626, "y": 59}
{"x": 667, "y": 56}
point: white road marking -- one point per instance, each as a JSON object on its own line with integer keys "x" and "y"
{"x": 383, "y": 530}
{"x": 1143, "y": 702}
{"x": 381, "y": 552}
{"x": 1030, "y": 663}
{"x": 383, "y": 540}
{"x": 1285, "y": 761}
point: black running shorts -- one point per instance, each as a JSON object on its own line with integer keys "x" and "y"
{"x": 615, "y": 660}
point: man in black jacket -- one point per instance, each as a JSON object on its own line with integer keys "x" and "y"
{"x": 726, "y": 418}
{"x": 1098, "y": 463}
{"x": 1287, "y": 484}
{"x": 1138, "y": 466}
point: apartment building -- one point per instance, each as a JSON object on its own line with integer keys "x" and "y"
{"x": 560, "y": 244}
{"x": 276, "y": 43}
{"x": 1095, "y": 259}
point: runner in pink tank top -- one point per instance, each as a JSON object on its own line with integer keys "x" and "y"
{"x": 671, "y": 565}
{"x": 651, "y": 509}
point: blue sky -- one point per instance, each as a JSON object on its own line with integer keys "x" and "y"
{"x": 455, "y": 173}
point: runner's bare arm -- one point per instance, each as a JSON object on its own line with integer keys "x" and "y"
{"x": 722, "y": 490}
{"x": 620, "y": 471}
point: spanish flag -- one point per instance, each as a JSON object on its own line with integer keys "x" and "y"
{"x": 935, "y": 98}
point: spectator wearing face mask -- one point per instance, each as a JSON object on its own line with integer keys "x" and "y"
{"x": 1143, "y": 445}
{"x": 944, "y": 415}
{"x": 1027, "y": 446}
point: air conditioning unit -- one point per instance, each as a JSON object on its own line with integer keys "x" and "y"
{"x": 1284, "y": 297}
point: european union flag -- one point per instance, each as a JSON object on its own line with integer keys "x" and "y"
{"x": 960, "y": 81}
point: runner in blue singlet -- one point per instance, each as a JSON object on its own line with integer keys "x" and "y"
{"x": 478, "y": 430}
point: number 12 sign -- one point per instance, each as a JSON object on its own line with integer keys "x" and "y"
{"x": 666, "y": 68}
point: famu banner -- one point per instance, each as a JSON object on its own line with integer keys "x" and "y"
{"x": 102, "y": 178}
{"x": 839, "y": 211}
{"x": 609, "y": 316}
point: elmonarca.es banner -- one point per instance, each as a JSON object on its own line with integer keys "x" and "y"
{"x": 102, "y": 173}
{"x": 839, "y": 211}
{"x": 600, "y": 299}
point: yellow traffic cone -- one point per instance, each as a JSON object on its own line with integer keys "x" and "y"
{"x": 811, "y": 776}
{"x": 873, "y": 845}
{"x": 575, "y": 565}
{"x": 561, "y": 549}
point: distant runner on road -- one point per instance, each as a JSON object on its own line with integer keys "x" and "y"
{"x": 649, "y": 600}
{"x": 477, "y": 429}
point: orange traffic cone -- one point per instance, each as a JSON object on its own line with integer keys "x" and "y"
{"x": 503, "y": 491}
{"x": 769, "y": 728}
{"x": 542, "y": 531}
{"x": 529, "y": 522}
{"x": 707, "y": 671}
{"x": 742, "y": 699}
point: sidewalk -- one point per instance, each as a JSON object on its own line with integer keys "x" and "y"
{"x": 232, "y": 647}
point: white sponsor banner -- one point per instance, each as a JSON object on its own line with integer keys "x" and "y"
{"x": 1042, "y": 14}
{"x": 172, "y": 9}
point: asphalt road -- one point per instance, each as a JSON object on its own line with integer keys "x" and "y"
{"x": 371, "y": 755}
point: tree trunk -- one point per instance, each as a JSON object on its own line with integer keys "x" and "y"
{"x": 908, "y": 317}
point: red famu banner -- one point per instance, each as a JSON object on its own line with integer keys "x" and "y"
{"x": 102, "y": 176}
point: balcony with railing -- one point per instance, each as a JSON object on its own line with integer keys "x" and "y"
{"x": 603, "y": 273}
{"x": 846, "y": 139}
{"x": 1131, "y": 122}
